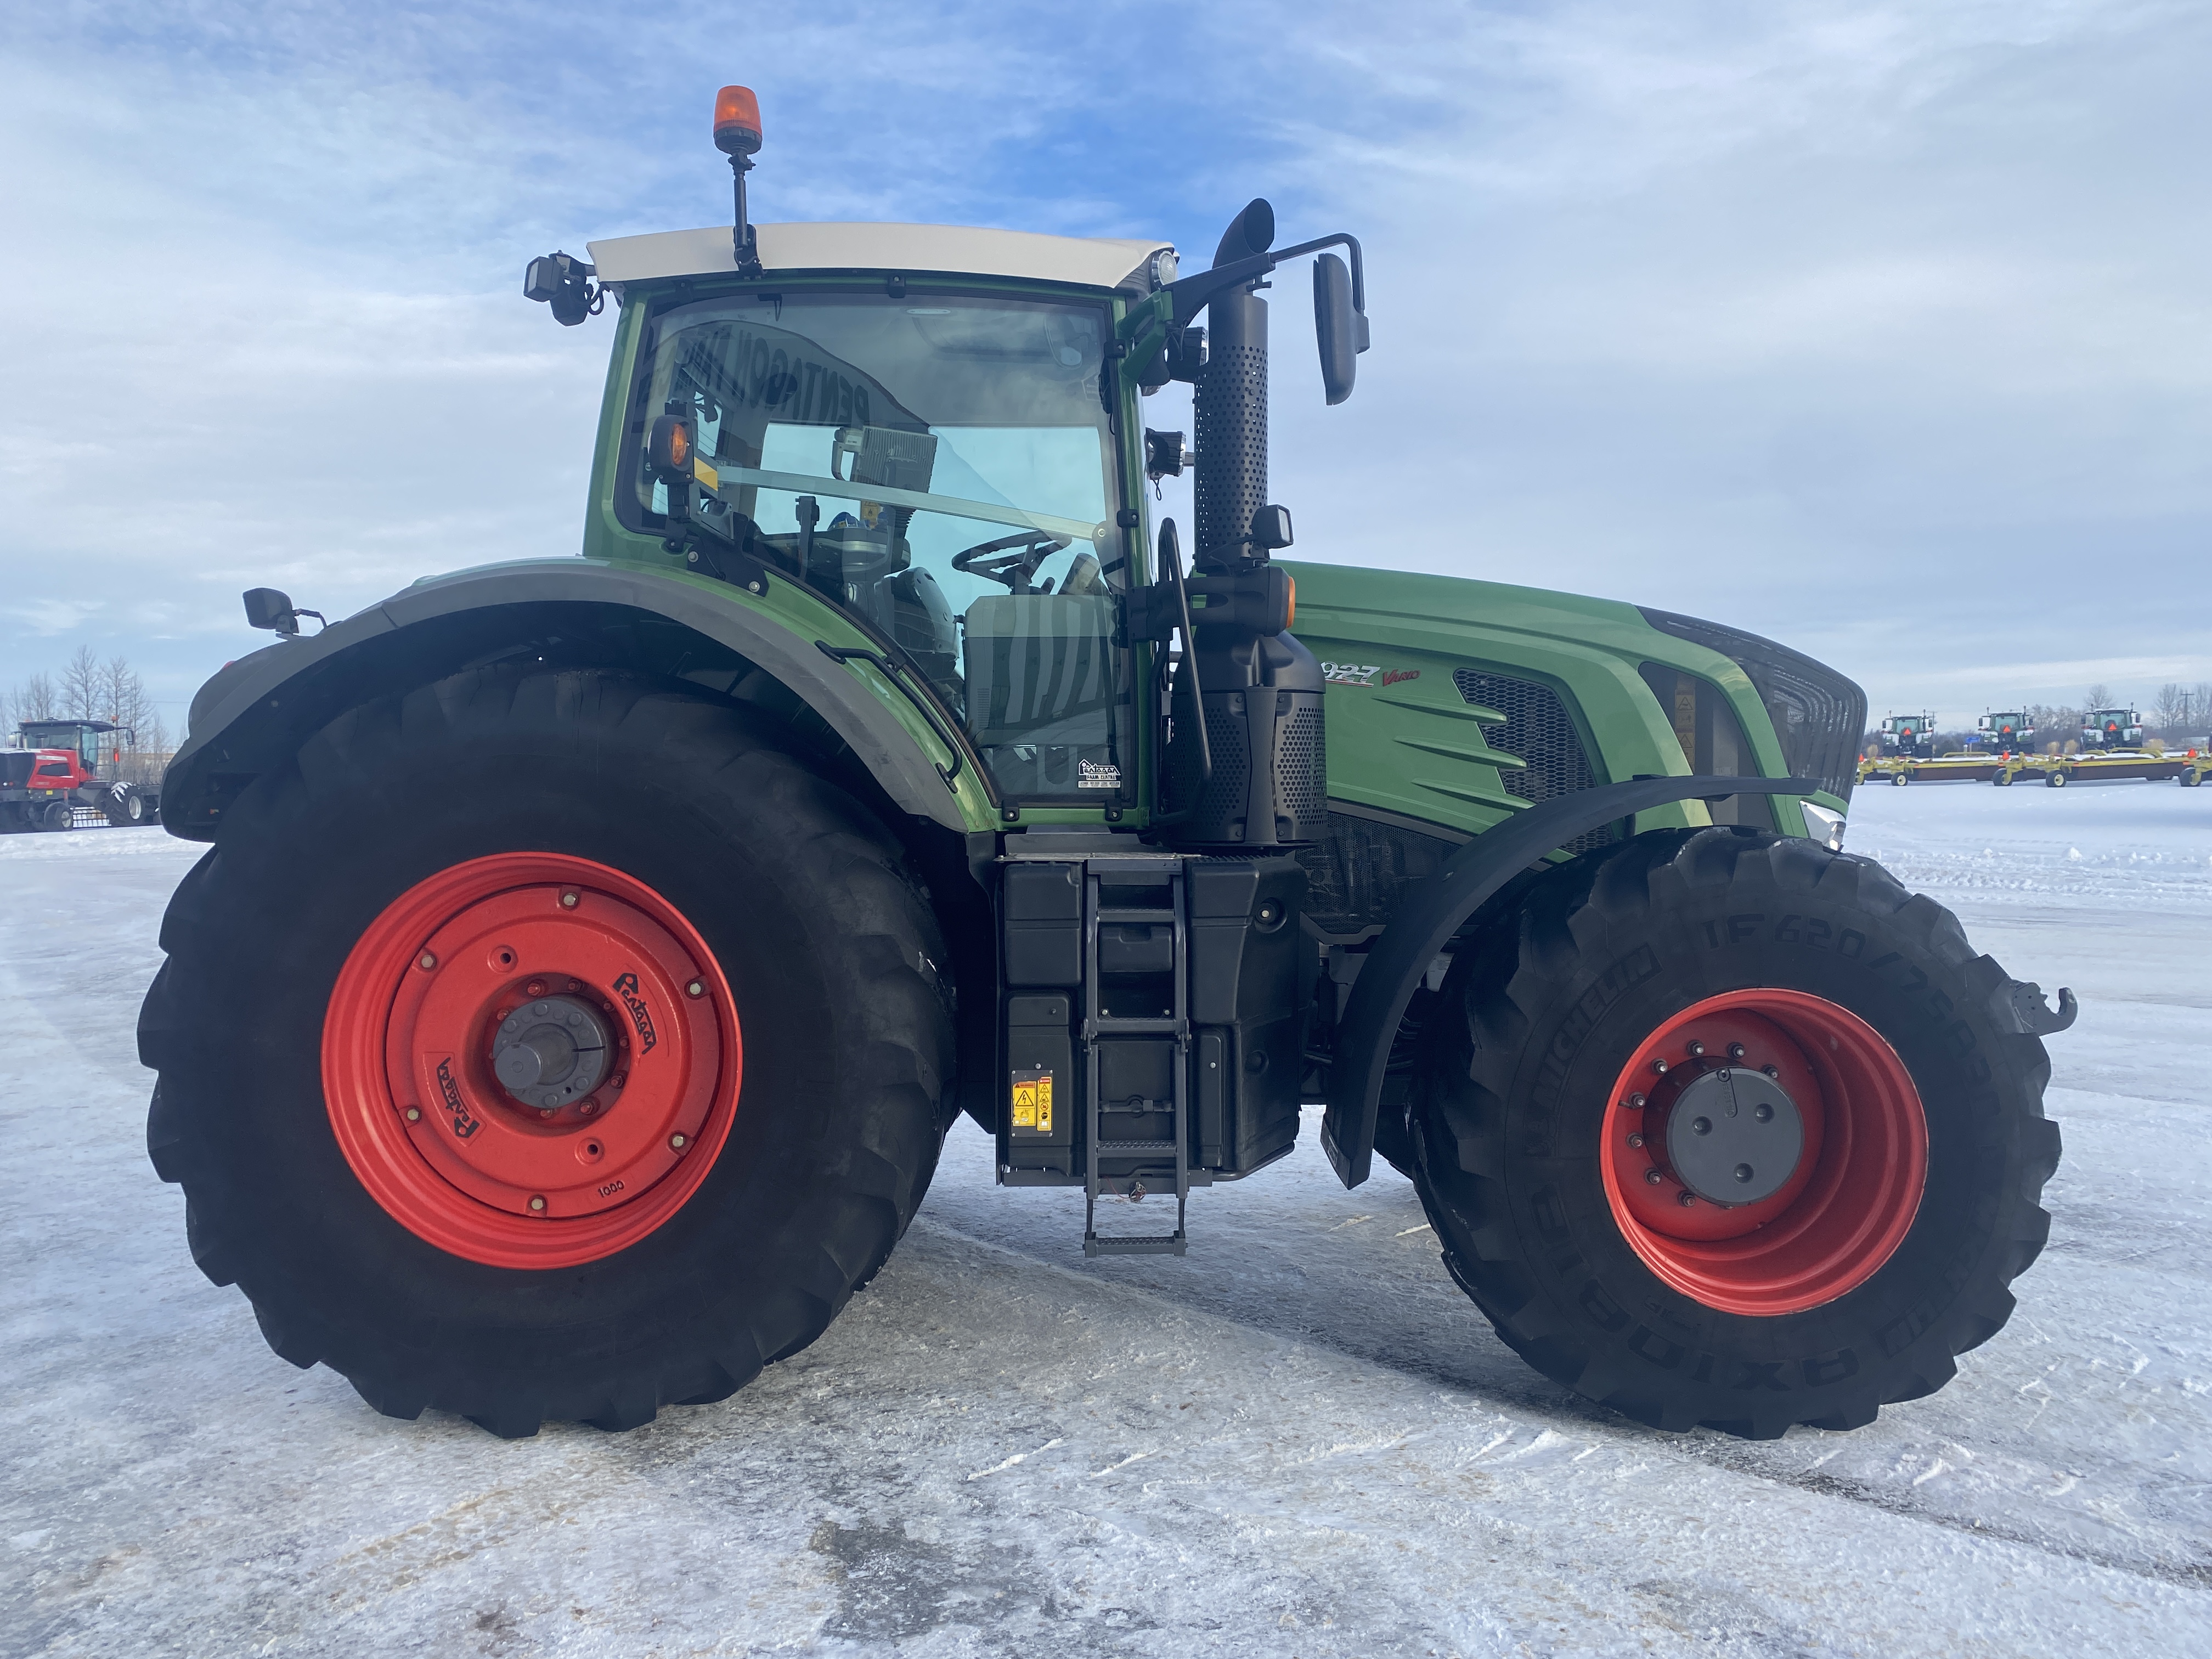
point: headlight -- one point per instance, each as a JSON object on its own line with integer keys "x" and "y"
{"x": 1817, "y": 715}
{"x": 1824, "y": 826}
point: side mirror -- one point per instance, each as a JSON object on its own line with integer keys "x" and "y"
{"x": 266, "y": 607}
{"x": 1271, "y": 528}
{"x": 1341, "y": 331}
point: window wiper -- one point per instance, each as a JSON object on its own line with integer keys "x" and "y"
{"x": 712, "y": 479}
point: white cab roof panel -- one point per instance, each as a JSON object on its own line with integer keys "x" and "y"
{"x": 1094, "y": 261}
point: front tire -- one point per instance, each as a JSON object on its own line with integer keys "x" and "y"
{"x": 1913, "y": 1201}
{"x": 661, "y": 872}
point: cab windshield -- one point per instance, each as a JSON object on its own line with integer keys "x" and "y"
{"x": 941, "y": 466}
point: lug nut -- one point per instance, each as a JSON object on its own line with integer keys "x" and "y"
{"x": 1635, "y": 1141}
{"x": 1771, "y": 1071}
{"x": 568, "y": 900}
{"x": 536, "y": 1202}
{"x": 1636, "y": 1102}
{"x": 696, "y": 989}
{"x": 426, "y": 962}
{"x": 1660, "y": 1067}
{"x": 618, "y": 1079}
{"x": 589, "y": 1107}
{"x": 1686, "y": 1199}
{"x": 1735, "y": 1051}
{"x": 677, "y": 1143}
{"x": 545, "y": 1111}
{"x": 1724, "y": 1074}
{"x": 1652, "y": 1177}
{"x": 536, "y": 987}
{"x": 1696, "y": 1049}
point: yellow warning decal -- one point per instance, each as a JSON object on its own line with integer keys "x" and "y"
{"x": 706, "y": 474}
{"x": 1032, "y": 1100}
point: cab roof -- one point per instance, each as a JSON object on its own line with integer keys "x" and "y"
{"x": 1090, "y": 261}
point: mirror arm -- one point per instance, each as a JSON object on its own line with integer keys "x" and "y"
{"x": 1192, "y": 293}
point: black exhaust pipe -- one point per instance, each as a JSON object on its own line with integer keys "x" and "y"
{"x": 1230, "y": 403}
{"x": 1260, "y": 690}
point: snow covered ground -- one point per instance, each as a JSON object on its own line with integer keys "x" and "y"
{"x": 1300, "y": 1440}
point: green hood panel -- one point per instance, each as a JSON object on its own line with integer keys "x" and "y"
{"x": 1422, "y": 667}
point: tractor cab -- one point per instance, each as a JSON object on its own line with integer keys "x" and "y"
{"x": 95, "y": 744}
{"x": 931, "y": 457}
{"x": 1908, "y": 736}
{"x": 2010, "y": 733}
{"x": 2111, "y": 728}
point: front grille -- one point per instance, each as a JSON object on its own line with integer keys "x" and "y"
{"x": 1819, "y": 716}
{"x": 1537, "y": 730}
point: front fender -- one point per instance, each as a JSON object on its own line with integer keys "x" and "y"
{"x": 258, "y": 711}
{"x": 1433, "y": 911}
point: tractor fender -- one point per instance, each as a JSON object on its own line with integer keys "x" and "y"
{"x": 257, "y": 712}
{"x": 1433, "y": 911}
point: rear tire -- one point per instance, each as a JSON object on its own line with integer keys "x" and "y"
{"x": 833, "y": 1010}
{"x": 1900, "y": 779}
{"x": 1522, "y": 1108}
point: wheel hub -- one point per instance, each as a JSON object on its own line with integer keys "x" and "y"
{"x": 530, "y": 1059}
{"x": 1836, "y": 1168}
{"x": 1732, "y": 1135}
{"x": 551, "y": 1052}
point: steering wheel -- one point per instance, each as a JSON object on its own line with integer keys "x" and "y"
{"x": 1012, "y": 559}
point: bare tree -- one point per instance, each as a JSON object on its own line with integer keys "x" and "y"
{"x": 123, "y": 695}
{"x": 2172, "y": 707}
{"x": 81, "y": 685}
{"x": 34, "y": 699}
{"x": 2200, "y": 706}
{"x": 2099, "y": 695}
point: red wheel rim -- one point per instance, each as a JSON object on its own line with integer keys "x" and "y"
{"x": 1858, "y": 1181}
{"x": 451, "y": 1152}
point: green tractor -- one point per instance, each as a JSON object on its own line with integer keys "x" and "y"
{"x": 1908, "y": 736}
{"x": 594, "y": 953}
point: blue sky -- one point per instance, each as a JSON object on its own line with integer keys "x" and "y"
{"x": 1884, "y": 329}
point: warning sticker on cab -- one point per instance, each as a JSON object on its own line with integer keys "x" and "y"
{"x": 1032, "y": 1100}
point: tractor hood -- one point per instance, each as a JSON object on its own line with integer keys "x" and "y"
{"x": 1459, "y": 702}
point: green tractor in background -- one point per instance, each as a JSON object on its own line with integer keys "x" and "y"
{"x": 1908, "y": 736}
{"x": 595, "y": 951}
{"x": 2111, "y": 728}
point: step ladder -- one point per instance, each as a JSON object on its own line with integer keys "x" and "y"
{"x": 1101, "y": 1028}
